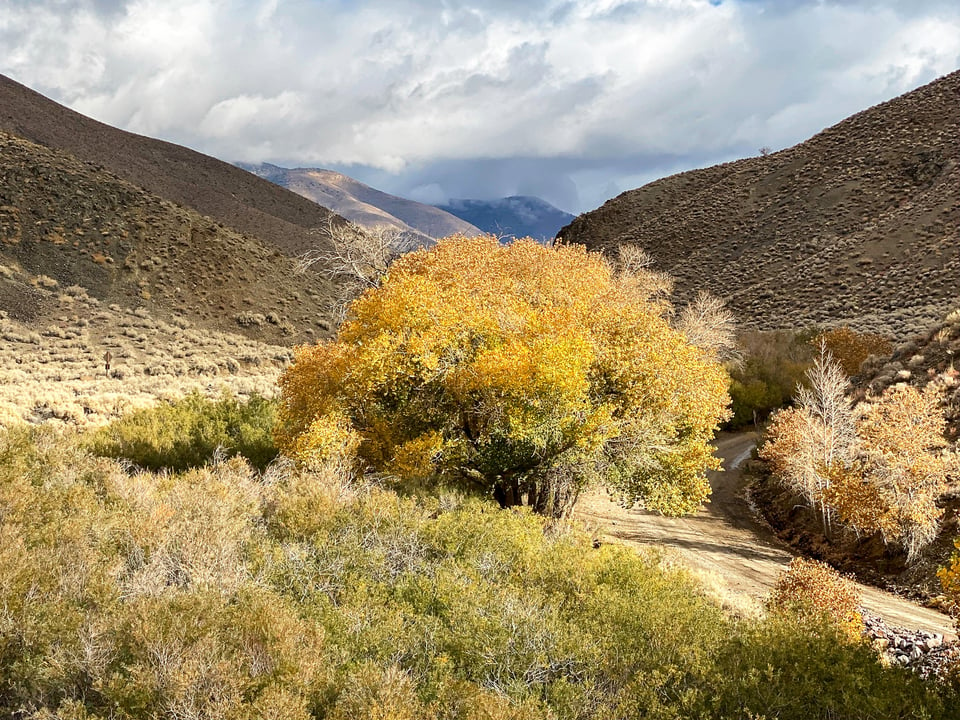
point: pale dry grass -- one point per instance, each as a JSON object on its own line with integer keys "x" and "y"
{"x": 55, "y": 370}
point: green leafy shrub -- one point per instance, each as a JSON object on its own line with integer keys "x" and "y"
{"x": 772, "y": 366}
{"x": 793, "y": 669}
{"x": 186, "y": 433}
{"x": 225, "y": 593}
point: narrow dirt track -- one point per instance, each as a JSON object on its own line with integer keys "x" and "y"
{"x": 738, "y": 557}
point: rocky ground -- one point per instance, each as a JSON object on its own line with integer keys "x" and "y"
{"x": 928, "y": 654}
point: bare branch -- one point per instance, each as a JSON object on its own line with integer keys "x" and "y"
{"x": 634, "y": 270}
{"x": 709, "y": 324}
{"x": 357, "y": 258}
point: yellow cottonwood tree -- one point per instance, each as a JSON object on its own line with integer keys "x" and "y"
{"x": 906, "y": 457}
{"x": 520, "y": 370}
{"x": 878, "y": 468}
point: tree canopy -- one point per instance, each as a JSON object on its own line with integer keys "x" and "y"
{"x": 520, "y": 370}
{"x": 879, "y": 467}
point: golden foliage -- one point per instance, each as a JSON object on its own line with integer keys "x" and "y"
{"x": 857, "y": 502}
{"x": 512, "y": 369}
{"x": 883, "y": 473}
{"x": 851, "y": 348}
{"x": 903, "y": 452}
{"x": 814, "y": 591}
{"x": 950, "y": 576}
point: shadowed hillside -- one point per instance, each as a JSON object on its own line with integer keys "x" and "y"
{"x": 213, "y": 188}
{"x": 517, "y": 216}
{"x": 857, "y": 225}
{"x": 363, "y": 204}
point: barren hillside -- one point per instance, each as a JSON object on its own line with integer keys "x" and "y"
{"x": 363, "y": 204}
{"x": 64, "y": 223}
{"x": 213, "y": 188}
{"x": 857, "y": 225}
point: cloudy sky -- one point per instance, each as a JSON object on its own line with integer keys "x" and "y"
{"x": 571, "y": 100}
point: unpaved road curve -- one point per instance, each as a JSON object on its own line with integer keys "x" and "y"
{"x": 737, "y": 556}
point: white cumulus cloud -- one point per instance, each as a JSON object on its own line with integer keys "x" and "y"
{"x": 570, "y": 99}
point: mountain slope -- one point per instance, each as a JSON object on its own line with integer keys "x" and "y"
{"x": 924, "y": 359}
{"x": 213, "y": 188}
{"x": 363, "y": 204}
{"x": 518, "y": 215}
{"x": 67, "y": 223}
{"x": 857, "y": 225}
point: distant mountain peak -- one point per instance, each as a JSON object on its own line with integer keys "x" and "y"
{"x": 516, "y": 215}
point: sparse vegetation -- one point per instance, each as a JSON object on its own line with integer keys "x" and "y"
{"x": 812, "y": 234}
{"x": 61, "y": 377}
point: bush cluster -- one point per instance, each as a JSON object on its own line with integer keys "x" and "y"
{"x": 772, "y": 366}
{"x": 188, "y": 433}
{"x": 813, "y": 591}
{"x": 224, "y": 593}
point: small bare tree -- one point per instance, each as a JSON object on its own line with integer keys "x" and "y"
{"x": 357, "y": 258}
{"x": 808, "y": 443}
{"x": 708, "y": 323}
{"x": 826, "y": 401}
{"x": 635, "y": 267}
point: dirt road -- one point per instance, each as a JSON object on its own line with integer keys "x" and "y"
{"x": 736, "y": 556}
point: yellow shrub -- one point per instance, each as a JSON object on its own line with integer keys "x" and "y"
{"x": 950, "y": 576}
{"x": 814, "y": 591}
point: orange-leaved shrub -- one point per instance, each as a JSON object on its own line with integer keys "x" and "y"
{"x": 813, "y": 591}
{"x": 516, "y": 370}
{"x": 850, "y": 348}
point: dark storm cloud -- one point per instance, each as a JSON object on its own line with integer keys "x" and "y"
{"x": 572, "y": 100}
